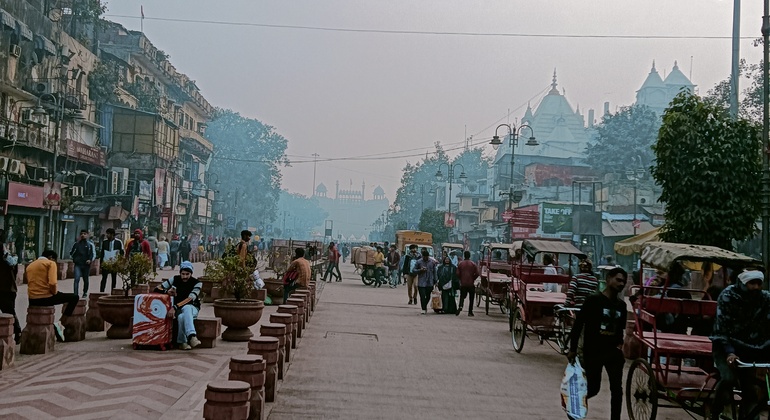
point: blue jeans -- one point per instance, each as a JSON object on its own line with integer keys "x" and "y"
{"x": 82, "y": 271}
{"x": 185, "y": 318}
{"x": 394, "y": 278}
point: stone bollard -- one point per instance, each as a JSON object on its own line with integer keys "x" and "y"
{"x": 117, "y": 292}
{"x": 305, "y": 295}
{"x": 227, "y": 400}
{"x": 38, "y": 336}
{"x": 293, "y": 310}
{"x": 250, "y": 368}
{"x": 310, "y": 290}
{"x": 300, "y": 303}
{"x": 267, "y": 347}
{"x": 284, "y": 319}
{"x": 7, "y": 343}
{"x": 278, "y": 331}
{"x": 75, "y": 324}
{"x": 313, "y": 286}
{"x": 94, "y": 321}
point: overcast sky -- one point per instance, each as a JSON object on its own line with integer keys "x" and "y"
{"x": 347, "y": 94}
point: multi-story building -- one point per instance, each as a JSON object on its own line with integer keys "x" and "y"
{"x": 156, "y": 127}
{"x": 51, "y": 162}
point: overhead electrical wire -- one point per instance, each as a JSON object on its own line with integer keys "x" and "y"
{"x": 415, "y": 32}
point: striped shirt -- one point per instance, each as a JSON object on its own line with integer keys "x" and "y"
{"x": 581, "y": 286}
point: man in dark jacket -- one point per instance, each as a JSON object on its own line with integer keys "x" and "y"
{"x": 82, "y": 253}
{"x": 186, "y": 291}
{"x": 601, "y": 321}
{"x": 184, "y": 249}
{"x": 8, "y": 287}
{"x": 174, "y": 250}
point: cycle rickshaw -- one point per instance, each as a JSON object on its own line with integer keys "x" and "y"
{"x": 535, "y": 310}
{"x": 675, "y": 367}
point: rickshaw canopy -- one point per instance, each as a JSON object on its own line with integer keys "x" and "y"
{"x": 534, "y": 246}
{"x": 635, "y": 244}
{"x": 663, "y": 255}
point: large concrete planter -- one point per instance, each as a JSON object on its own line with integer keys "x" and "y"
{"x": 117, "y": 311}
{"x": 274, "y": 289}
{"x": 206, "y": 286}
{"x": 238, "y": 316}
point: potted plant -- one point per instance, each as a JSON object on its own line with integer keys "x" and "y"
{"x": 117, "y": 310}
{"x": 237, "y": 313}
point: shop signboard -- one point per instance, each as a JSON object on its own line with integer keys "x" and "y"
{"x": 84, "y": 153}
{"x": 557, "y": 217}
{"x": 25, "y": 195}
{"x": 52, "y": 195}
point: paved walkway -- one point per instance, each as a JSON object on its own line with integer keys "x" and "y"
{"x": 366, "y": 354}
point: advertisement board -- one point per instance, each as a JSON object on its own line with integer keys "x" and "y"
{"x": 557, "y": 217}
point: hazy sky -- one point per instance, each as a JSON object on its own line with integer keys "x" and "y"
{"x": 347, "y": 94}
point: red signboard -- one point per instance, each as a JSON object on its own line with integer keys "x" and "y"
{"x": 636, "y": 223}
{"x": 507, "y": 215}
{"x": 84, "y": 153}
{"x": 24, "y": 195}
{"x": 449, "y": 220}
{"x": 529, "y": 219}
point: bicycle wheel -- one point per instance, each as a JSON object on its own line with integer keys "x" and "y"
{"x": 562, "y": 335}
{"x": 641, "y": 391}
{"x": 518, "y": 330}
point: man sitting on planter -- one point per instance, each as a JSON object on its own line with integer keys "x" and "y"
{"x": 188, "y": 289}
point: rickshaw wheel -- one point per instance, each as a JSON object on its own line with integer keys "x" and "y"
{"x": 518, "y": 330}
{"x": 641, "y": 391}
{"x": 505, "y": 305}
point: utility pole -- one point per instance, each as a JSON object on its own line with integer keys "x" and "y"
{"x": 766, "y": 139}
{"x": 315, "y": 162}
{"x": 736, "y": 58}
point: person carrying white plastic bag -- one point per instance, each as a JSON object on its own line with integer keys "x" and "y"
{"x": 601, "y": 323}
{"x": 574, "y": 391}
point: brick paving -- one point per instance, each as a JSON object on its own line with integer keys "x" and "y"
{"x": 365, "y": 354}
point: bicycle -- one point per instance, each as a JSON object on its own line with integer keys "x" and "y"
{"x": 763, "y": 402}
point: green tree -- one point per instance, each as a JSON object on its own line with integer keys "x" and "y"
{"x": 433, "y": 221}
{"x": 750, "y": 105}
{"x": 708, "y": 165}
{"x": 623, "y": 138}
{"x": 247, "y": 159}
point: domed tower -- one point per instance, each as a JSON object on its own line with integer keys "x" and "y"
{"x": 321, "y": 190}
{"x": 379, "y": 193}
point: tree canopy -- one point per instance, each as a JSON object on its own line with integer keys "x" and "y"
{"x": 433, "y": 221}
{"x": 708, "y": 165}
{"x": 246, "y": 161}
{"x": 623, "y": 138}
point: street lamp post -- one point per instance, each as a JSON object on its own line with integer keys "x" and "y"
{"x": 450, "y": 179}
{"x": 766, "y": 138}
{"x": 513, "y": 141}
{"x": 635, "y": 175}
{"x": 431, "y": 191}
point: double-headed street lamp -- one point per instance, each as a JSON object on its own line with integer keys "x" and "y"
{"x": 431, "y": 191}
{"x": 513, "y": 141}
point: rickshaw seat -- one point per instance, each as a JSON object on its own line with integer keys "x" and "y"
{"x": 689, "y": 307}
{"x": 545, "y": 278}
{"x": 545, "y": 298}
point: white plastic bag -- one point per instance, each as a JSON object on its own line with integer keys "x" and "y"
{"x": 574, "y": 391}
{"x": 258, "y": 282}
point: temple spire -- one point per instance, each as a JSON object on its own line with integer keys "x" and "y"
{"x": 554, "y": 90}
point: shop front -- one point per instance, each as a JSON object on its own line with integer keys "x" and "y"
{"x": 24, "y": 216}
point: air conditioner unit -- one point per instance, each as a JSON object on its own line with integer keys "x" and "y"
{"x": 11, "y": 134}
{"x": 21, "y": 134}
{"x": 15, "y": 50}
{"x": 14, "y": 167}
{"x": 32, "y": 138}
{"x": 115, "y": 182}
{"x": 3, "y": 163}
{"x": 77, "y": 191}
{"x": 124, "y": 181}
{"x": 26, "y": 117}
{"x": 43, "y": 140}
{"x": 41, "y": 87}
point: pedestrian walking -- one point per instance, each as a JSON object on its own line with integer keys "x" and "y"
{"x": 184, "y": 249}
{"x": 379, "y": 267}
{"x": 163, "y": 247}
{"x": 345, "y": 252}
{"x": 468, "y": 272}
{"x": 410, "y": 277}
{"x": 110, "y": 249}
{"x": 393, "y": 260}
{"x": 582, "y": 285}
{"x": 153, "y": 241}
{"x": 447, "y": 279}
{"x": 174, "y": 251}
{"x": 425, "y": 268}
{"x": 83, "y": 252}
{"x": 332, "y": 263}
{"x": 9, "y": 268}
{"x": 601, "y": 322}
